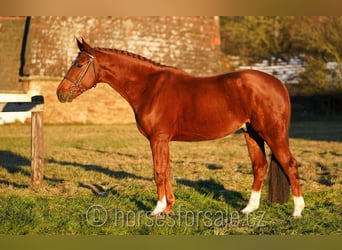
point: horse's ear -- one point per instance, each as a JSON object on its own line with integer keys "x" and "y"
{"x": 80, "y": 45}
{"x": 86, "y": 47}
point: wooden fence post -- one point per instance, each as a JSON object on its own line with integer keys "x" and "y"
{"x": 37, "y": 143}
{"x": 36, "y": 107}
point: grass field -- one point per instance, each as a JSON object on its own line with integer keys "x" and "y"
{"x": 98, "y": 180}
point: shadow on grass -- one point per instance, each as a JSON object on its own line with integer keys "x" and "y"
{"x": 100, "y": 169}
{"x": 13, "y": 162}
{"x": 13, "y": 184}
{"x": 98, "y": 190}
{"x": 232, "y": 198}
{"x": 325, "y": 177}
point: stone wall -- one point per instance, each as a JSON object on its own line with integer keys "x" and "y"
{"x": 190, "y": 43}
{"x": 11, "y": 34}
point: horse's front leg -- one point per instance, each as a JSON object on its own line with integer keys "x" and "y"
{"x": 161, "y": 162}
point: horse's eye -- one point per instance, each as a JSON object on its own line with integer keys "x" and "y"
{"x": 78, "y": 65}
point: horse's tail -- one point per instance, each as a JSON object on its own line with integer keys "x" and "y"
{"x": 278, "y": 183}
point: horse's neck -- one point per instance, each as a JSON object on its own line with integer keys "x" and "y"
{"x": 127, "y": 77}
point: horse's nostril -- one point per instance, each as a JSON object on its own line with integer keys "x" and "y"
{"x": 60, "y": 96}
{"x": 68, "y": 98}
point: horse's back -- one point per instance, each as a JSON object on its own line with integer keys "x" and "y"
{"x": 257, "y": 81}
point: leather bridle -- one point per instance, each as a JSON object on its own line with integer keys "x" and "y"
{"x": 84, "y": 72}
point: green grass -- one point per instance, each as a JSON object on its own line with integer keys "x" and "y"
{"x": 96, "y": 170}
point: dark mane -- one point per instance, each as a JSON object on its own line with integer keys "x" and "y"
{"x": 136, "y": 56}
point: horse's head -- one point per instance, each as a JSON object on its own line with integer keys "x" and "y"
{"x": 81, "y": 75}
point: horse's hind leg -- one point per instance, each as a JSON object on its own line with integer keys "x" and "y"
{"x": 280, "y": 149}
{"x": 256, "y": 151}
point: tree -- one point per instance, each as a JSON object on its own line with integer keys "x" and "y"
{"x": 254, "y": 38}
{"x": 317, "y": 40}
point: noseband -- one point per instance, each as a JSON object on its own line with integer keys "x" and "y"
{"x": 84, "y": 72}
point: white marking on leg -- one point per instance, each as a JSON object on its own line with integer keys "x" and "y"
{"x": 253, "y": 203}
{"x": 299, "y": 205}
{"x": 161, "y": 205}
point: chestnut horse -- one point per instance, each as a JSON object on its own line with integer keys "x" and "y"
{"x": 171, "y": 105}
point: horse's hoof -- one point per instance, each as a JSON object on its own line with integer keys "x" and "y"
{"x": 249, "y": 209}
{"x": 170, "y": 213}
{"x": 297, "y": 215}
{"x": 162, "y": 215}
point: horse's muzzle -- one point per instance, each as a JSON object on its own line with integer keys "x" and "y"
{"x": 62, "y": 98}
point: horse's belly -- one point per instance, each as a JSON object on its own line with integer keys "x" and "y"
{"x": 201, "y": 131}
